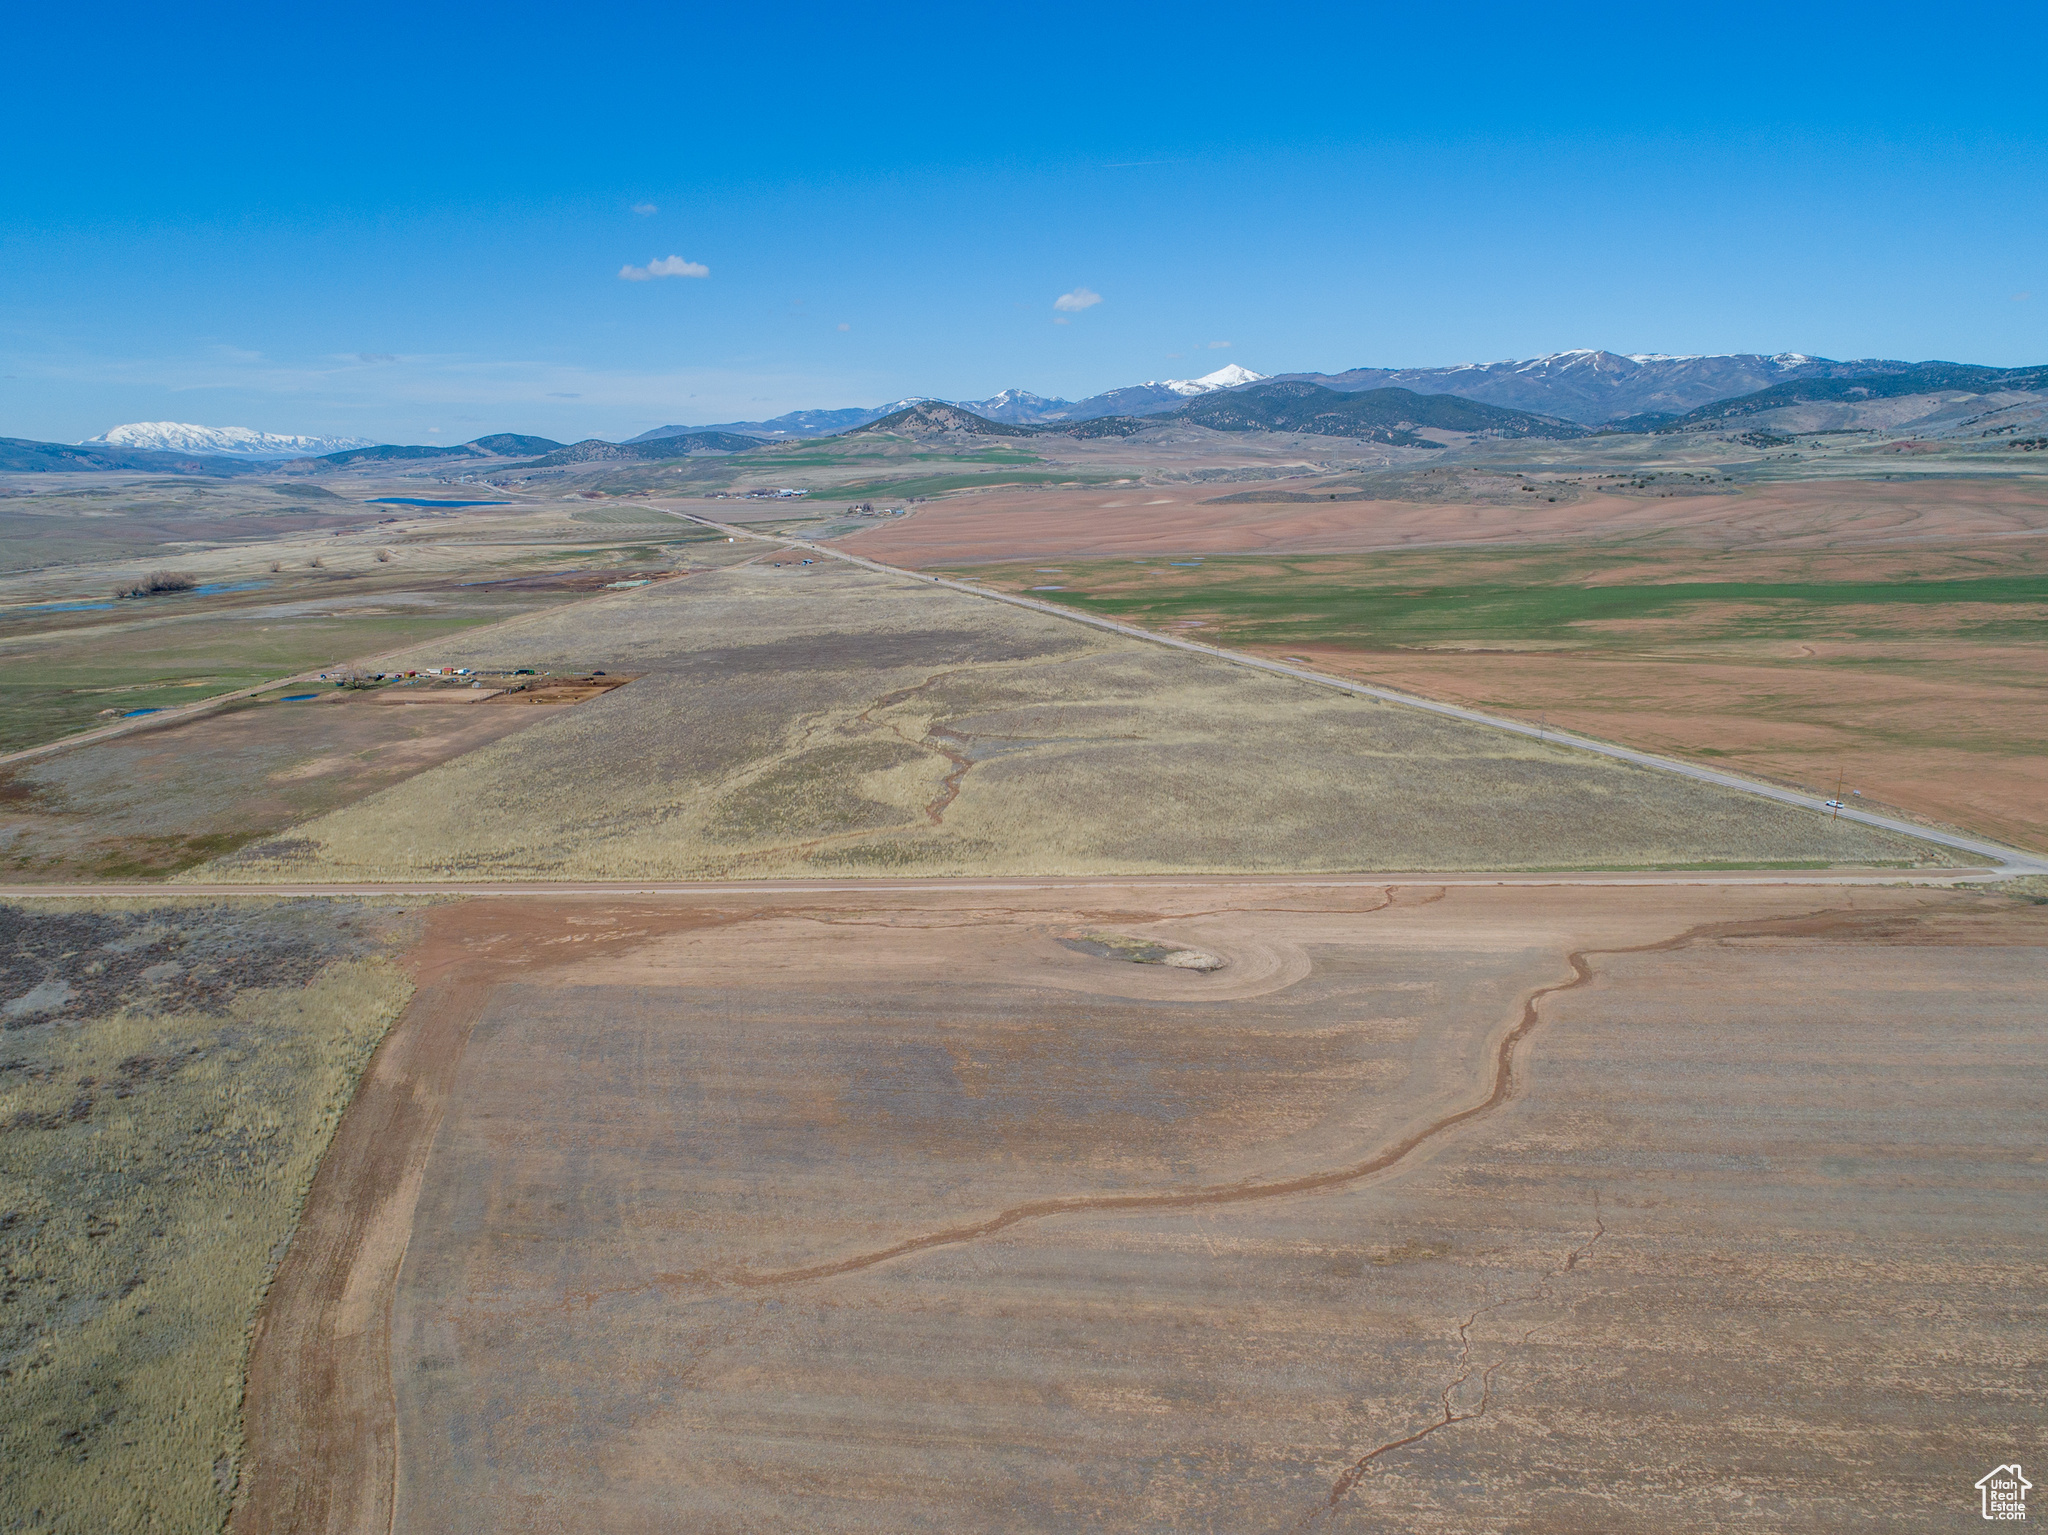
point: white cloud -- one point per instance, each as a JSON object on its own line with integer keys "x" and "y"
{"x": 1078, "y": 300}
{"x": 669, "y": 266}
{"x": 376, "y": 357}
{"x": 1218, "y": 346}
{"x": 844, "y": 326}
{"x": 1061, "y": 319}
{"x": 643, "y": 209}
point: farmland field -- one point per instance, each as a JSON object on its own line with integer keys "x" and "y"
{"x": 826, "y": 720}
{"x": 63, "y": 681}
{"x": 1915, "y": 677}
{"x": 279, "y": 594}
{"x": 1432, "y": 1209}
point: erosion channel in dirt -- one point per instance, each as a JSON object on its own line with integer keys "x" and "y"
{"x": 896, "y": 1211}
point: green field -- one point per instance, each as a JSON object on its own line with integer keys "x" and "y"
{"x": 883, "y": 449}
{"x": 909, "y": 487}
{"x": 1367, "y": 603}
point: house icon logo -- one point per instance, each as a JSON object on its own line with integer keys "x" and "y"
{"x": 2005, "y": 1493}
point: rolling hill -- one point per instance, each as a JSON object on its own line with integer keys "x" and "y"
{"x": 1597, "y": 388}
{"x": 593, "y": 450}
{"x": 930, "y": 417}
{"x": 1392, "y": 416}
{"x": 1922, "y": 378}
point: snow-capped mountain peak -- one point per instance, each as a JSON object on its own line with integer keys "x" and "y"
{"x": 234, "y": 441}
{"x": 1227, "y": 377}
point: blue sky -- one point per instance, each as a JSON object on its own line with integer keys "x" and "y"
{"x": 410, "y": 225}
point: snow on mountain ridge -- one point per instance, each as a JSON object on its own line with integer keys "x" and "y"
{"x": 227, "y": 441}
{"x": 1229, "y": 376}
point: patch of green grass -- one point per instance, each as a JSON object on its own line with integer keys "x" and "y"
{"x": 941, "y": 484}
{"x": 1299, "y": 604}
{"x": 810, "y": 457}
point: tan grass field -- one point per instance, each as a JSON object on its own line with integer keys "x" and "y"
{"x": 1433, "y": 1210}
{"x": 158, "y": 1132}
{"x": 809, "y": 720}
{"x": 1952, "y": 732}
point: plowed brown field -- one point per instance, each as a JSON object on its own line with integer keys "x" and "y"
{"x": 1193, "y": 519}
{"x": 1434, "y": 1209}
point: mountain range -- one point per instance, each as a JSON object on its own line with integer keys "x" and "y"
{"x": 1396, "y": 417}
{"x": 1016, "y": 407}
{"x": 1592, "y": 388}
{"x": 1559, "y": 395}
{"x": 219, "y": 441}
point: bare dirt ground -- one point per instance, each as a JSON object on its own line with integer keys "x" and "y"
{"x": 1194, "y": 519}
{"x": 1434, "y": 1209}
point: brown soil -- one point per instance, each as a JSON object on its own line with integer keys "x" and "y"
{"x": 563, "y": 690}
{"x": 320, "y": 1434}
{"x": 159, "y": 801}
{"x": 889, "y": 1211}
{"x": 1814, "y": 515}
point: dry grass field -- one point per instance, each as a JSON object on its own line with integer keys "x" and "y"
{"x": 276, "y": 595}
{"x": 1917, "y": 677}
{"x": 162, "y": 800}
{"x": 171, "y": 1075}
{"x": 1433, "y": 1209}
{"x": 793, "y": 720}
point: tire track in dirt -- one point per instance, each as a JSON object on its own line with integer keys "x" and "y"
{"x": 1504, "y": 1085}
{"x": 319, "y": 1415}
{"x": 319, "y": 1419}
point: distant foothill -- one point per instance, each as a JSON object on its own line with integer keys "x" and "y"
{"x": 1565, "y": 394}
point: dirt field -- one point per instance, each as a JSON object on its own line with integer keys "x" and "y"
{"x": 163, "y": 800}
{"x": 1480, "y": 1208}
{"x": 1197, "y": 519}
{"x": 170, "y": 1076}
{"x": 825, "y": 720}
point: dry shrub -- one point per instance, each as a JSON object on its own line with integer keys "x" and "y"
{"x": 383, "y": 556}
{"x": 156, "y": 582}
{"x": 155, "y": 1167}
{"x": 316, "y": 563}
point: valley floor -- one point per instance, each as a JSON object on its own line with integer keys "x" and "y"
{"x": 1457, "y": 1208}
